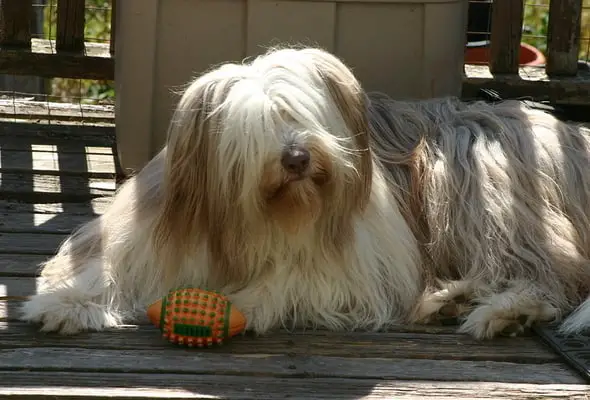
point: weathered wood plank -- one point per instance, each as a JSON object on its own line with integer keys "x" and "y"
{"x": 63, "y": 65}
{"x": 414, "y": 345}
{"x": 563, "y": 37}
{"x": 18, "y": 288}
{"x": 62, "y": 223}
{"x": 531, "y": 82}
{"x": 79, "y": 136}
{"x": 42, "y": 111}
{"x": 35, "y": 186}
{"x": 70, "y": 26}
{"x": 41, "y": 385}
{"x": 60, "y": 147}
{"x": 15, "y": 23}
{"x": 7, "y": 310}
{"x": 33, "y": 161}
{"x": 507, "y": 16}
{"x": 20, "y": 265}
{"x": 63, "y": 145}
{"x": 203, "y": 362}
{"x": 94, "y": 206}
{"x": 30, "y": 243}
{"x": 91, "y": 49}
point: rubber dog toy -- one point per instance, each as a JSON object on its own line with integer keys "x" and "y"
{"x": 196, "y": 317}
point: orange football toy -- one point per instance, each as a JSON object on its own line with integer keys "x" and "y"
{"x": 196, "y": 318}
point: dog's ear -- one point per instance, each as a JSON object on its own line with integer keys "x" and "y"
{"x": 184, "y": 210}
{"x": 351, "y": 100}
{"x": 195, "y": 207}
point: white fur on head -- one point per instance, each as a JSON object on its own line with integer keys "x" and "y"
{"x": 224, "y": 149}
{"x": 329, "y": 247}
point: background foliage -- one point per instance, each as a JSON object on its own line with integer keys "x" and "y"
{"x": 97, "y": 29}
{"x": 536, "y": 17}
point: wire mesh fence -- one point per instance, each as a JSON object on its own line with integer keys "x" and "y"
{"x": 535, "y": 26}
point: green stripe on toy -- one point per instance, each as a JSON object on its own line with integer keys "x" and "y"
{"x": 195, "y": 317}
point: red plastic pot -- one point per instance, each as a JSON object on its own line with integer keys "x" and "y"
{"x": 529, "y": 55}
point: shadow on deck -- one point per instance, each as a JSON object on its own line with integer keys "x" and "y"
{"x": 54, "y": 178}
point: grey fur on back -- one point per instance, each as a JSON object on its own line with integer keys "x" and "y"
{"x": 497, "y": 193}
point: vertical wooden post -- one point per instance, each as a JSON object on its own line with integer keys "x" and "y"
{"x": 113, "y": 26}
{"x": 563, "y": 37}
{"x": 70, "y": 26}
{"x": 507, "y": 17}
{"x": 15, "y": 23}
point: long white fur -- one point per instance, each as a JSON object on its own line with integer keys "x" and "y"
{"x": 486, "y": 202}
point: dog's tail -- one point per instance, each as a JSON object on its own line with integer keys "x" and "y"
{"x": 577, "y": 321}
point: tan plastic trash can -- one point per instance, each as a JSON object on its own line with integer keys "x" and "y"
{"x": 406, "y": 48}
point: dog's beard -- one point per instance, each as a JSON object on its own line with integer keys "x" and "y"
{"x": 294, "y": 202}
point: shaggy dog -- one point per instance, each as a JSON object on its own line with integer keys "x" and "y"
{"x": 311, "y": 203}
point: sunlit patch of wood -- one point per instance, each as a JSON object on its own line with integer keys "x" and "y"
{"x": 40, "y": 219}
{"x": 95, "y": 206}
{"x": 101, "y": 163}
{"x": 48, "y": 208}
{"x": 26, "y": 109}
{"x": 98, "y": 150}
{"x": 44, "y": 147}
{"x": 44, "y": 160}
{"x": 46, "y": 183}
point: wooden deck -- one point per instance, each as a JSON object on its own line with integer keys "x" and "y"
{"x": 53, "y": 179}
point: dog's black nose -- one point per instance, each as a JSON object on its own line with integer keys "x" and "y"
{"x": 295, "y": 159}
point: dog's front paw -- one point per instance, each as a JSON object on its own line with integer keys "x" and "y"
{"x": 67, "y": 316}
{"x": 488, "y": 321}
{"x": 446, "y": 305}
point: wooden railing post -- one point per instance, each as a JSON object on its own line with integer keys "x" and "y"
{"x": 113, "y": 26}
{"x": 507, "y": 17}
{"x": 70, "y": 26}
{"x": 15, "y": 23}
{"x": 563, "y": 37}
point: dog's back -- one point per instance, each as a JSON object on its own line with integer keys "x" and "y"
{"x": 503, "y": 193}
